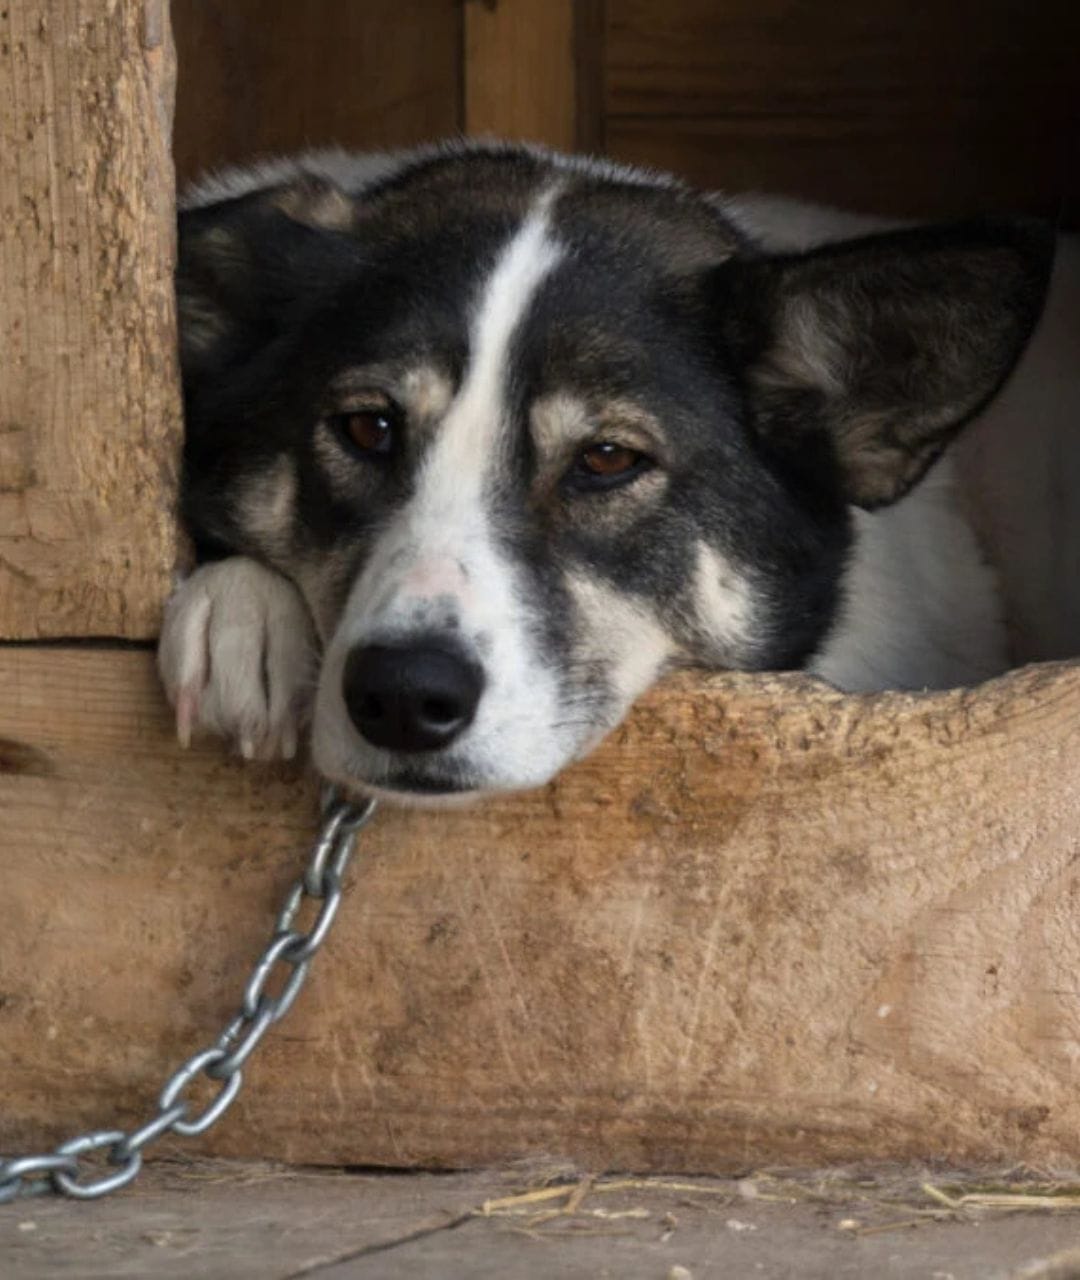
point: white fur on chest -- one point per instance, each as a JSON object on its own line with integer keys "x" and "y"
{"x": 921, "y": 607}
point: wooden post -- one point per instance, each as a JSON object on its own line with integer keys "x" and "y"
{"x": 533, "y": 71}
{"x": 89, "y": 406}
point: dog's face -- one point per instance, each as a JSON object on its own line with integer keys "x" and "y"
{"x": 527, "y": 435}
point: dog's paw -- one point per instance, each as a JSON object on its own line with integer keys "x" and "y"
{"x": 237, "y": 657}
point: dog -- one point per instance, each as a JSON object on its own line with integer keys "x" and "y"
{"x": 482, "y": 440}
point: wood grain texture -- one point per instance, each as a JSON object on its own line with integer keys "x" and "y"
{"x": 892, "y": 107}
{"x": 533, "y": 71}
{"x": 89, "y": 405}
{"x": 266, "y": 76}
{"x": 764, "y": 922}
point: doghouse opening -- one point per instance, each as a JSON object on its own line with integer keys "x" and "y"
{"x": 956, "y": 119}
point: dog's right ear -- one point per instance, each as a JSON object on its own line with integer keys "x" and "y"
{"x": 246, "y": 263}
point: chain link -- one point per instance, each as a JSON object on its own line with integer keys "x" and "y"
{"x": 289, "y": 951}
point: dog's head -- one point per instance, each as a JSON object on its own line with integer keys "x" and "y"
{"x": 527, "y": 433}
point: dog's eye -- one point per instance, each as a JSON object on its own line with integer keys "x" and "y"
{"x": 607, "y": 459}
{"x": 606, "y": 464}
{"x": 367, "y": 431}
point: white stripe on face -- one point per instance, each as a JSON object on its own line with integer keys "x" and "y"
{"x": 425, "y": 553}
{"x": 468, "y": 442}
{"x": 439, "y": 566}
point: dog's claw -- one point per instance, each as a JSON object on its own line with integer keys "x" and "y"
{"x": 187, "y": 708}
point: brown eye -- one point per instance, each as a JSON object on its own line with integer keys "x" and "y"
{"x": 605, "y": 464}
{"x": 607, "y": 459}
{"x": 367, "y": 431}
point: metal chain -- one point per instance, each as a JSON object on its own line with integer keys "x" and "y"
{"x": 60, "y": 1170}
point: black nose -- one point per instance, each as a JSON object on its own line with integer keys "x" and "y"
{"x": 410, "y": 699}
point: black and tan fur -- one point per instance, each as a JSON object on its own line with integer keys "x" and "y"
{"x": 509, "y": 310}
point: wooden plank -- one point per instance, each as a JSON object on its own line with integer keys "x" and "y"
{"x": 900, "y": 108}
{"x": 248, "y": 1221}
{"x": 89, "y": 407}
{"x": 764, "y": 922}
{"x": 259, "y": 76}
{"x": 533, "y": 71}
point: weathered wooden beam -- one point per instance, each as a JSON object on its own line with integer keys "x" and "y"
{"x": 89, "y": 406}
{"x": 763, "y": 922}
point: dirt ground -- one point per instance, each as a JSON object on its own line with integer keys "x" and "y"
{"x": 257, "y": 1222}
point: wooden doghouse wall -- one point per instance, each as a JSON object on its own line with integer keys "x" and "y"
{"x": 885, "y": 106}
{"x": 764, "y": 921}
{"x": 266, "y": 76}
{"x": 888, "y": 107}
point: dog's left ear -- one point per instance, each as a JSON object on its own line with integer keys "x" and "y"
{"x": 243, "y": 264}
{"x": 882, "y": 347}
